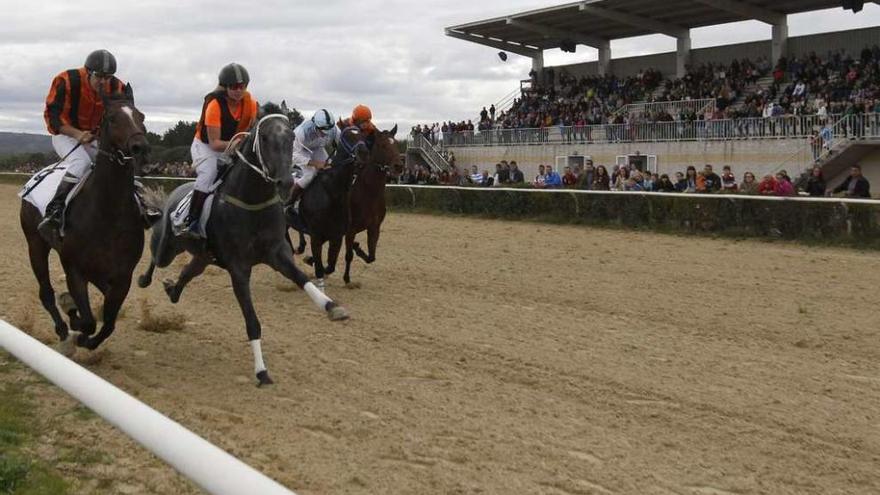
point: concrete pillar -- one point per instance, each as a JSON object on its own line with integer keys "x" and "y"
{"x": 779, "y": 47}
{"x": 682, "y": 54}
{"x": 538, "y": 67}
{"x": 604, "y": 66}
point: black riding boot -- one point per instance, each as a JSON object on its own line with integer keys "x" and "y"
{"x": 50, "y": 227}
{"x": 195, "y": 213}
{"x": 295, "y": 194}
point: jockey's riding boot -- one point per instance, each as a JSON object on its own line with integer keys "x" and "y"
{"x": 195, "y": 213}
{"x": 50, "y": 227}
{"x": 295, "y": 194}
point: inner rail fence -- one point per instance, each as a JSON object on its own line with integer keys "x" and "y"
{"x": 788, "y": 127}
{"x": 208, "y": 466}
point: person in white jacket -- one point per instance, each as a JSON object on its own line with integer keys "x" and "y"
{"x": 310, "y": 140}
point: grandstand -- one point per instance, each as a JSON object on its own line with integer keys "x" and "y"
{"x": 631, "y": 128}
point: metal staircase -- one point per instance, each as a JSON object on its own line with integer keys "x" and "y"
{"x": 428, "y": 153}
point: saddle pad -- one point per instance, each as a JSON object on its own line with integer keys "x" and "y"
{"x": 180, "y": 212}
{"x": 48, "y": 179}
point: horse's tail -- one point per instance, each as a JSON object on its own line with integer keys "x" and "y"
{"x": 154, "y": 199}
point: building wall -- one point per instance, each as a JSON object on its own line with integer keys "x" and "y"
{"x": 851, "y": 41}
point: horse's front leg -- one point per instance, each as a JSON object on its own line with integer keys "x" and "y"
{"x": 302, "y": 244}
{"x": 349, "y": 256}
{"x": 333, "y": 255}
{"x": 241, "y": 285}
{"x": 372, "y": 243}
{"x": 193, "y": 269}
{"x": 114, "y": 296}
{"x": 81, "y": 317}
{"x": 317, "y": 246}
{"x": 283, "y": 263}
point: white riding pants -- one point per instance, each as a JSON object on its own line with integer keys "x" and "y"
{"x": 308, "y": 174}
{"x": 204, "y": 159}
{"x": 79, "y": 160}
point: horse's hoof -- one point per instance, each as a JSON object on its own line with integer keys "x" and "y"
{"x": 321, "y": 284}
{"x": 144, "y": 281}
{"x": 264, "y": 379}
{"x": 309, "y": 260}
{"x": 67, "y": 347}
{"x": 329, "y": 270}
{"x": 336, "y": 312}
{"x": 65, "y": 300}
{"x": 171, "y": 290}
{"x": 86, "y": 342}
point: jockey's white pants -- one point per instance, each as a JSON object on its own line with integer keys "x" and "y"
{"x": 204, "y": 159}
{"x": 79, "y": 160}
{"x": 308, "y": 174}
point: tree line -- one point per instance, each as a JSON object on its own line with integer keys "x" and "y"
{"x": 171, "y": 146}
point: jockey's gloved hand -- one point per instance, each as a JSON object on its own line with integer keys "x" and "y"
{"x": 224, "y": 159}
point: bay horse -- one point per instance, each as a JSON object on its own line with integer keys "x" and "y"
{"x": 367, "y": 200}
{"x": 104, "y": 233}
{"x": 324, "y": 211}
{"x": 246, "y": 227}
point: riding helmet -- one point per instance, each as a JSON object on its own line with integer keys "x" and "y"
{"x": 102, "y": 62}
{"x": 234, "y": 74}
{"x": 323, "y": 119}
{"x": 361, "y": 113}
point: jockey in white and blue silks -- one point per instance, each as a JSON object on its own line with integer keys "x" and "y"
{"x": 310, "y": 140}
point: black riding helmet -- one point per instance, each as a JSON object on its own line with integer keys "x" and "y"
{"x": 102, "y": 62}
{"x": 234, "y": 74}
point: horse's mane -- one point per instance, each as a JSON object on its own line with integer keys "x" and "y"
{"x": 269, "y": 108}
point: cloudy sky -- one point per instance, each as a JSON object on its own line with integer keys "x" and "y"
{"x": 390, "y": 54}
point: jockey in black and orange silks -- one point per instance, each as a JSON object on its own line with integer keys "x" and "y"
{"x": 73, "y": 112}
{"x": 227, "y": 111}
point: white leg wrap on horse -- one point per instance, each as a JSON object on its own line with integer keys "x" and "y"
{"x": 317, "y": 296}
{"x": 259, "y": 365}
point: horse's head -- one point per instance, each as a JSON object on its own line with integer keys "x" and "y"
{"x": 123, "y": 128}
{"x": 351, "y": 148}
{"x": 270, "y": 147}
{"x": 385, "y": 155}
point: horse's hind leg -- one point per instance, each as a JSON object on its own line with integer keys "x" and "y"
{"x": 146, "y": 279}
{"x": 282, "y": 262}
{"x": 79, "y": 291}
{"x": 241, "y": 285}
{"x": 38, "y": 251}
{"x": 114, "y": 296}
{"x": 302, "y": 244}
{"x": 193, "y": 269}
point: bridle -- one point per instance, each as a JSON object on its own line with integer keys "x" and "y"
{"x": 262, "y": 170}
{"x": 118, "y": 156}
{"x": 350, "y": 150}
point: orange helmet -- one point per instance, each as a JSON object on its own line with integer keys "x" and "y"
{"x": 361, "y": 113}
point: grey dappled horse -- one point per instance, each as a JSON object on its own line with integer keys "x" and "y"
{"x": 246, "y": 226}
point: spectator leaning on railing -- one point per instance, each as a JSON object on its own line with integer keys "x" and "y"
{"x": 856, "y": 185}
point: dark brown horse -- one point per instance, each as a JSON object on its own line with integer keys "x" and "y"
{"x": 104, "y": 234}
{"x": 367, "y": 201}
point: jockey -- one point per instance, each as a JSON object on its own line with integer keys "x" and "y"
{"x": 310, "y": 140}
{"x": 362, "y": 118}
{"x": 228, "y": 110}
{"x": 74, "y": 110}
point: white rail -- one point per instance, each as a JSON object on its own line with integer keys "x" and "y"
{"x": 206, "y": 465}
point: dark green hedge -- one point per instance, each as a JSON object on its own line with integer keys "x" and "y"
{"x": 836, "y": 222}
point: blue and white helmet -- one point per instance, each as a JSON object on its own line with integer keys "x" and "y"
{"x": 323, "y": 120}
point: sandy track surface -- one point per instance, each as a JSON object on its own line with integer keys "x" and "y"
{"x": 501, "y": 357}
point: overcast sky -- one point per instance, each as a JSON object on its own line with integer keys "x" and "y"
{"x": 391, "y": 55}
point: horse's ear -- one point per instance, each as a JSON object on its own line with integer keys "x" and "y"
{"x": 393, "y": 130}
{"x": 129, "y": 93}
{"x": 284, "y": 107}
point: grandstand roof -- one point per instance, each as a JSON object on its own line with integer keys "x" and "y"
{"x": 593, "y": 22}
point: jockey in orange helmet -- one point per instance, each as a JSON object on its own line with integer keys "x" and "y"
{"x": 362, "y": 118}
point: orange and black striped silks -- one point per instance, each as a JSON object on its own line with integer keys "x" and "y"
{"x": 72, "y": 101}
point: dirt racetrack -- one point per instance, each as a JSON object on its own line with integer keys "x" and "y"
{"x": 516, "y": 358}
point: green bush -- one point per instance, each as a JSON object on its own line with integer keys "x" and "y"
{"x": 824, "y": 221}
